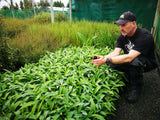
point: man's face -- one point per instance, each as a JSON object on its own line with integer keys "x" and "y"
{"x": 127, "y": 28}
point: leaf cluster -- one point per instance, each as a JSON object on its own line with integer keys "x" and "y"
{"x": 63, "y": 85}
{"x": 45, "y": 17}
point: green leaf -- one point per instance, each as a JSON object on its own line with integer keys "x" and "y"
{"x": 56, "y": 116}
{"x": 92, "y": 106}
{"x": 6, "y": 95}
{"x": 97, "y": 116}
{"x": 97, "y": 89}
{"x": 31, "y": 116}
{"x": 9, "y": 115}
{"x": 14, "y": 105}
{"x": 25, "y": 105}
{"x": 34, "y": 107}
{"x": 70, "y": 114}
{"x": 17, "y": 113}
{"x": 39, "y": 107}
{"x": 82, "y": 38}
{"x": 45, "y": 114}
{"x": 84, "y": 112}
{"x": 66, "y": 96}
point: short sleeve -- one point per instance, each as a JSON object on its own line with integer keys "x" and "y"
{"x": 119, "y": 43}
{"x": 144, "y": 44}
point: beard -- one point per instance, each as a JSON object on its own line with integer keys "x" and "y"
{"x": 124, "y": 33}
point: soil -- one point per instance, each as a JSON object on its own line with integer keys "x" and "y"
{"x": 148, "y": 105}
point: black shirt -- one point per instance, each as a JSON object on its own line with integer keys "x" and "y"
{"x": 142, "y": 41}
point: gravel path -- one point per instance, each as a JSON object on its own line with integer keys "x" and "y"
{"x": 148, "y": 105}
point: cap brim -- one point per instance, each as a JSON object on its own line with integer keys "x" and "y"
{"x": 121, "y": 22}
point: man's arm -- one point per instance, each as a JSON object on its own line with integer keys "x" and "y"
{"x": 115, "y": 58}
{"x": 125, "y": 58}
{"x": 116, "y": 52}
{"x": 102, "y": 59}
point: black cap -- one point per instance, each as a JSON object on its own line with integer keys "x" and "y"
{"x": 125, "y": 17}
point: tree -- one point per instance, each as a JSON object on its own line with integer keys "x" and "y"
{"x": 43, "y": 4}
{"x": 4, "y": 8}
{"x": 27, "y": 4}
{"x": 46, "y": 3}
{"x": 68, "y": 5}
{"x": 11, "y": 6}
{"x": 58, "y": 4}
{"x": 16, "y": 7}
{"x": 21, "y": 5}
{"x": 35, "y": 6}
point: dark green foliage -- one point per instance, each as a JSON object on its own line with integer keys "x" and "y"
{"x": 45, "y": 17}
{"x": 60, "y": 17}
{"x": 13, "y": 27}
{"x": 32, "y": 39}
{"x": 42, "y": 18}
{"x": 4, "y": 8}
{"x": 27, "y": 4}
{"x": 64, "y": 85}
{"x": 21, "y": 5}
{"x": 43, "y": 4}
{"x": 58, "y": 4}
{"x": 9, "y": 58}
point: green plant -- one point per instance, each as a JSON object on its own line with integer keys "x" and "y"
{"x": 42, "y": 18}
{"x": 60, "y": 17}
{"x": 63, "y": 85}
{"x": 87, "y": 42}
{"x": 12, "y": 27}
{"x": 1, "y": 37}
{"x": 9, "y": 58}
{"x": 36, "y": 39}
{"x": 45, "y": 17}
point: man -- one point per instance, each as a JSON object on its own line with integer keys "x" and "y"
{"x": 138, "y": 57}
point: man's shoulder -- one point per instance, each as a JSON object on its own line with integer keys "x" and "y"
{"x": 121, "y": 36}
{"x": 144, "y": 33}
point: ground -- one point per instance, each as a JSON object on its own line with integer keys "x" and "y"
{"x": 148, "y": 105}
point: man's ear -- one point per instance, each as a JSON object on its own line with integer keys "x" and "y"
{"x": 134, "y": 22}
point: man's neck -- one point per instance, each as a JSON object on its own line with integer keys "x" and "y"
{"x": 133, "y": 31}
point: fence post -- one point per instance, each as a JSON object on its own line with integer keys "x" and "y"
{"x": 34, "y": 12}
{"x": 52, "y": 11}
{"x": 70, "y": 7}
{"x": 12, "y": 9}
{"x": 63, "y": 10}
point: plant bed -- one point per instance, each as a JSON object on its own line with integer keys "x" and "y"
{"x": 64, "y": 85}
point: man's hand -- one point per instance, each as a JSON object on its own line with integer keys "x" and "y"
{"x": 99, "y": 61}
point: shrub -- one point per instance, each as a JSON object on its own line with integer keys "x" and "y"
{"x": 13, "y": 27}
{"x": 45, "y": 17}
{"x": 37, "y": 39}
{"x": 62, "y": 86}
{"x": 60, "y": 17}
{"x": 1, "y": 43}
{"x": 1, "y": 26}
{"x": 9, "y": 58}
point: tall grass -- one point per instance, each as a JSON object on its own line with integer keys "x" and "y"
{"x": 37, "y": 38}
{"x": 13, "y": 27}
{"x": 10, "y": 58}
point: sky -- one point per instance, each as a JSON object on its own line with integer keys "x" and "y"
{"x": 3, "y": 3}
